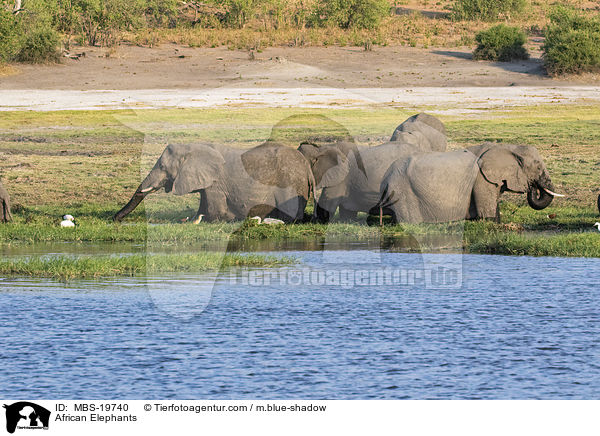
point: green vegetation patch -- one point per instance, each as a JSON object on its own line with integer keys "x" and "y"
{"x": 501, "y": 43}
{"x": 488, "y": 10}
{"x": 572, "y": 42}
{"x": 557, "y": 245}
{"x": 64, "y": 268}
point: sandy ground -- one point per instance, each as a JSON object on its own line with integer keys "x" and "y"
{"x": 177, "y": 76}
{"x": 132, "y": 67}
{"x": 449, "y": 101}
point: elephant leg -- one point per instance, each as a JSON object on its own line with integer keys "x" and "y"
{"x": 326, "y": 206}
{"x": 322, "y": 214}
{"x": 217, "y": 208}
{"x": 347, "y": 214}
{"x": 5, "y": 216}
{"x": 301, "y": 206}
{"x": 289, "y": 208}
{"x": 202, "y": 206}
{"x": 485, "y": 201}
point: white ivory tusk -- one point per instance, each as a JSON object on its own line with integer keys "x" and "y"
{"x": 554, "y": 194}
{"x": 147, "y": 189}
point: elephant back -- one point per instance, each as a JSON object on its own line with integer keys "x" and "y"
{"x": 273, "y": 164}
{"x": 309, "y": 128}
{"x": 424, "y": 130}
{"x": 430, "y": 120}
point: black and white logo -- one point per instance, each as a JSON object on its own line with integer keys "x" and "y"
{"x": 26, "y": 415}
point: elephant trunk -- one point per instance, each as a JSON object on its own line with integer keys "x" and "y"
{"x": 540, "y": 193}
{"x": 155, "y": 180}
{"x": 136, "y": 199}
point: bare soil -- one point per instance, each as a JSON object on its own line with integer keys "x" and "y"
{"x": 173, "y": 66}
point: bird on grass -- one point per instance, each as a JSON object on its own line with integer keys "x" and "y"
{"x": 269, "y": 221}
{"x": 195, "y": 221}
{"x": 68, "y": 221}
{"x": 597, "y": 225}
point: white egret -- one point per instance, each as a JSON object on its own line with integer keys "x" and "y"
{"x": 269, "y": 221}
{"x": 67, "y": 221}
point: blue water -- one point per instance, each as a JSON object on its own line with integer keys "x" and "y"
{"x": 517, "y": 328}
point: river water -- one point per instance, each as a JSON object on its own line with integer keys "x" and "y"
{"x": 502, "y": 328}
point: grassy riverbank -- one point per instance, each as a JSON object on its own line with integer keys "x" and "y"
{"x": 65, "y": 268}
{"x": 88, "y": 163}
{"x": 523, "y": 231}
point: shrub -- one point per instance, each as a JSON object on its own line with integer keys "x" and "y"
{"x": 101, "y": 19}
{"x": 9, "y": 35}
{"x": 40, "y": 46}
{"x": 572, "y": 42}
{"x": 500, "y": 43}
{"x": 366, "y": 14}
{"x": 487, "y": 10}
{"x": 239, "y": 11}
{"x": 161, "y": 13}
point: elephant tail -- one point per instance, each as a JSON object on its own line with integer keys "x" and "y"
{"x": 387, "y": 199}
{"x": 311, "y": 186}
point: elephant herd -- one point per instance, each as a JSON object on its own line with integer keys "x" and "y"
{"x": 411, "y": 177}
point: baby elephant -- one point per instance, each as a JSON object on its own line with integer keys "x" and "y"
{"x": 464, "y": 184}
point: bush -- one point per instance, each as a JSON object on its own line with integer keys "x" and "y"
{"x": 9, "y": 35}
{"x": 40, "y": 46}
{"x": 572, "y": 42}
{"x": 365, "y": 14}
{"x": 101, "y": 19}
{"x": 239, "y": 11}
{"x": 161, "y": 13}
{"x": 500, "y": 43}
{"x": 487, "y": 10}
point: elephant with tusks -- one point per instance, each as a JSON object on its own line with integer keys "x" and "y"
{"x": 268, "y": 180}
{"x": 464, "y": 184}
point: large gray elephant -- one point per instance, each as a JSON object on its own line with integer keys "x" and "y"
{"x": 268, "y": 180}
{"x": 350, "y": 176}
{"x": 423, "y": 130}
{"x": 464, "y": 184}
{"x": 5, "y": 214}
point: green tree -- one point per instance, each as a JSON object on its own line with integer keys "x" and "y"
{"x": 9, "y": 35}
{"x": 572, "y": 42}
{"x": 487, "y": 10}
{"x": 365, "y": 14}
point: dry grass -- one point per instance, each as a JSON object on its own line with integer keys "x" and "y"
{"x": 420, "y": 23}
{"x": 7, "y": 70}
{"x": 75, "y": 158}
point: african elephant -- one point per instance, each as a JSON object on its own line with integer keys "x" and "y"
{"x": 350, "y": 175}
{"x": 268, "y": 180}
{"x": 423, "y": 130}
{"x": 5, "y": 214}
{"x": 464, "y": 184}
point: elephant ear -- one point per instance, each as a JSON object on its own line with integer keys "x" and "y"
{"x": 500, "y": 165}
{"x": 198, "y": 170}
{"x": 330, "y": 168}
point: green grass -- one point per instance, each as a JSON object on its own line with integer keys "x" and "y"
{"x": 517, "y": 232}
{"x": 559, "y": 245}
{"x": 65, "y": 268}
{"x": 88, "y": 163}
